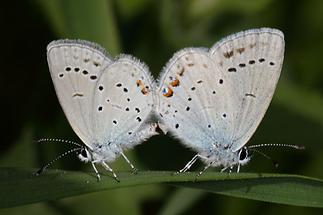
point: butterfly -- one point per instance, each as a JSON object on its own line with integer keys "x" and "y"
{"x": 213, "y": 99}
{"x": 106, "y": 100}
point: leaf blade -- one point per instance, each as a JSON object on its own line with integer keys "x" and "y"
{"x": 19, "y": 186}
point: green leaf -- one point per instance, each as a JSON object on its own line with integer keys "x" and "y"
{"x": 181, "y": 201}
{"x": 304, "y": 101}
{"x": 20, "y": 186}
{"x": 202, "y": 8}
{"x": 130, "y": 8}
{"x": 90, "y": 20}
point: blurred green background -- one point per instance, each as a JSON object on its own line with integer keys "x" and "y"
{"x": 153, "y": 31}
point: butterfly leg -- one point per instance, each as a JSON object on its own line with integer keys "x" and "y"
{"x": 110, "y": 170}
{"x": 224, "y": 168}
{"x": 231, "y": 168}
{"x": 96, "y": 171}
{"x": 134, "y": 169}
{"x": 189, "y": 164}
{"x": 238, "y": 168}
{"x": 203, "y": 170}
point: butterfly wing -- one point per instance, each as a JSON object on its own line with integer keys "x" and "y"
{"x": 219, "y": 96}
{"x": 123, "y": 102}
{"x": 250, "y": 64}
{"x": 190, "y": 99}
{"x": 75, "y": 67}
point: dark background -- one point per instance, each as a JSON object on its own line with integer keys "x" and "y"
{"x": 153, "y": 31}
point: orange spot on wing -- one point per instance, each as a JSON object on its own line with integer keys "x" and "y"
{"x": 138, "y": 83}
{"x": 174, "y": 83}
{"x": 144, "y": 91}
{"x": 168, "y": 92}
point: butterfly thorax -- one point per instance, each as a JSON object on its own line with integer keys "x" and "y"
{"x": 101, "y": 153}
{"x": 225, "y": 157}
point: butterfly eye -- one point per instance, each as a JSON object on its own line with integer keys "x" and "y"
{"x": 83, "y": 153}
{"x": 243, "y": 154}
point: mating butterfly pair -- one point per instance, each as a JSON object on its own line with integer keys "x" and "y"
{"x": 211, "y": 99}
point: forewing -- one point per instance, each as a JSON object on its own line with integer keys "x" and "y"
{"x": 250, "y": 63}
{"x": 75, "y": 67}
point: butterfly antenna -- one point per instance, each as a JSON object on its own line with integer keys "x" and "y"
{"x": 275, "y": 145}
{"x": 266, "y": 156}
{"x": 56, "y": 159}
{"x": 57, "y": 140}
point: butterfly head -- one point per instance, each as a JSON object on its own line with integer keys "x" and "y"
{"x": 244, "y": 156}
{"x": 84, "y": 154}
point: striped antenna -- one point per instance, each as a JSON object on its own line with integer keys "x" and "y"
{"x": 276, "y": 145}
{"x": 57, "y": 140}
{"x": 56, "y": 159}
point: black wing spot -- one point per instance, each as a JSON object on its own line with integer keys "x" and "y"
{"x": 209, "y": 126}
{"x": 271, "y": 63}
{"x": 224, "y": 115}
{"x": 100, "y": 87}
{"x": 129, "y": 133}
{"x": 128, "y": 99}
{"x": 61, "y": 75}
{"x": 242, "y": 65}
{"x": 261, "y": 60}
{"x": 93, "y": 77}
{"x": 189, "y": 99}
{"x": 137, "y": 109}
{"x": 127, "y": 109}
{"x": 252, "y": 62}
{"x": 114, "y": 122}
{"x": 67, "y": 69}
{"x": 118, "y": 84}
{"x": 200, "y": 81}
{"x": 188, "y": 108}
{"x": 100, "y": 108}
{"x": 221, "y": 81}
{"x": 213, "y": 92}
{"x": 250, "y": 94}
{"x": 232, "y": 69}
{"x": 77, "y": 95}
{"x": 125, "y": 90}
{"x": 76, "y": 69}
{"x": 176, "y": 126}
{"x": 138, "y": 119}
{"x": 85, "y": 72}
{"x": 193, "y": 88}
